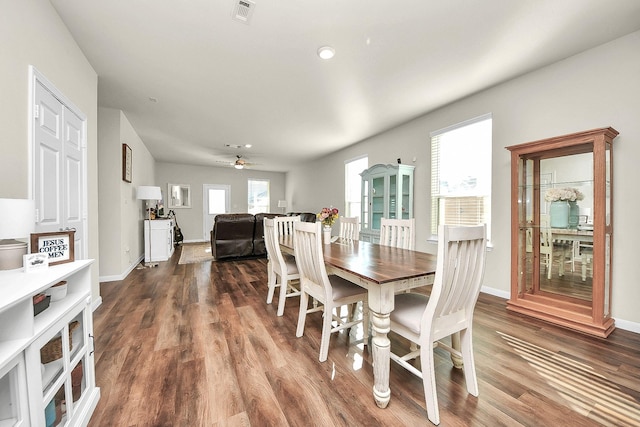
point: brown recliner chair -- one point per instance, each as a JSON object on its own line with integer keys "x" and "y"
{"x": 232, "y": 235}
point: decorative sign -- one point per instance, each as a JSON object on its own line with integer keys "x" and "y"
{"x": 126, "y": 163}
{"x": 35, "y": 262}
{"x": 58, "y": 245}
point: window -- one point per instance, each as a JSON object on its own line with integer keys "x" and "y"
{"x": 258, "y": 200}
{"x": 353, "y": 185}
{"x": 461, "y": 174}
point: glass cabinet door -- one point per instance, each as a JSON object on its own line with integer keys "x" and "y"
{"x": 63, "y": 354}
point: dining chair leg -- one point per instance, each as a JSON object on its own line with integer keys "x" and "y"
{"x": 466, "y": 348}
{"x": 365, "y": 321}
{"x": 271, "y": 283}
{"x": 327, "y": 320}
{"x": 284, "y": 284}
{"x": 302, "y": 314}
{"x": 429, "y": 383}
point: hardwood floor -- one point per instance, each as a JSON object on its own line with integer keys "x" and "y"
{"x": 197, "y": 345}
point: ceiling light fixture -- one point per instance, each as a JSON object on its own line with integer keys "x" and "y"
{"x": 326, "y": 52}
{"x": 238, "y": 166}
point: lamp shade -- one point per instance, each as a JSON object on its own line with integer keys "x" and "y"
{"x": 148, "y": 192}
{"x": 18, "y": 218}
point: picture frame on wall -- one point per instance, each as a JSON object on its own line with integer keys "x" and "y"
{"x": 58, "y": 245}
{"x": 127, "y": 162}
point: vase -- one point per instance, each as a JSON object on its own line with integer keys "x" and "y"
{"x": 574, "y": 215}
{"x": 559, "y": 214}
{"x": 326, "y": 232}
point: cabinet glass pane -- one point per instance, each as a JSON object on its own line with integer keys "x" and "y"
{"x": 365, "y": 206}
{"x": 377, "y": 202}
{"x": 392, "y": 197}
{"x": 77, "y": 334}
{"x": 405, "y": 206}
{"x": 607, "y": 177}
{"x": 9, "y": 403}
{"x": 78, "y": 380}
{"x": 55, "y": 413}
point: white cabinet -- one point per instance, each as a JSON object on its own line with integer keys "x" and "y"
{"x": 158, "y": 240}
{"x": 47, "y": 374}
{"x": 387, "y": 192}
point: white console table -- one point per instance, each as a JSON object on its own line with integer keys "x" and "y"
{"x": 64, "y": 389}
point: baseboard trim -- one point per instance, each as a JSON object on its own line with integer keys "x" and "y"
{"x": 122, "y": 276}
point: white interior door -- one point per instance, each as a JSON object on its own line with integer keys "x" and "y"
{"x": 59, "y": 159}
{"x": 215, "y": 200}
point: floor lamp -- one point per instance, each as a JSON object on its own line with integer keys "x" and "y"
{"x": 18, "y": 222}
{"x": 148, "y": 193}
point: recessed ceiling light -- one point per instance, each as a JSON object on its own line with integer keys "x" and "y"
{"x": 247, "y": 145}
{"x": 326, "y": 52}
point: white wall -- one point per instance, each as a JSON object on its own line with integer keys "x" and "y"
{"x": 122, "y": 219}
{"x": 191, "y": 219}
{"x": 31, "y": 33}
{"x": 597, "y": 88}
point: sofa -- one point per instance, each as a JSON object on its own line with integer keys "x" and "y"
{"x": 241, "y": 235}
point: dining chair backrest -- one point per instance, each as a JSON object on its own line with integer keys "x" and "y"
{"x": 349, "y": 227}
{"x": 274, "y": 254}
{"x": 284, "y": 224}
{"x": 273, "y": 229}
{"x": 399, "y": 233}
{"x": 307, "y": 241}
{"x": 459, "y": 273}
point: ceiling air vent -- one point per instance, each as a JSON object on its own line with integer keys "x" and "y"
{"x": 242, "y": 10}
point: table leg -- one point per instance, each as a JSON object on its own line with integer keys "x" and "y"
{"x": 381, "y": 356}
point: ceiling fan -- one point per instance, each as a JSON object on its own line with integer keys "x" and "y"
{"x": 238, "y": 163}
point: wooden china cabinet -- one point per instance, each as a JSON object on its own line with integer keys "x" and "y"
{"x": 562, "y": 273}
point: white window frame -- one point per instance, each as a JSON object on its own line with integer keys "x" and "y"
{"x": 351, "y": 195}
{"x": 461, "y": 198}
{"x": 249, "y": 193}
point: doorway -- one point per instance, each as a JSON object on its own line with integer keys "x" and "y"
{"x": 215, "y": 200}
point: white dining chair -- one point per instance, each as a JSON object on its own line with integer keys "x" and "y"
{"x": 330, "y": 291}
{"x": 398, "y": 233}
{"x": 449, "y": 309}
{"x": 282, "y": 271}
{"x": 556, "y": 251}
{"x": 349, "y": 227}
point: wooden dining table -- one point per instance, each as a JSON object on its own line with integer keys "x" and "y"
{"x": 383, "y": 271}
